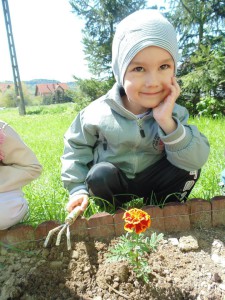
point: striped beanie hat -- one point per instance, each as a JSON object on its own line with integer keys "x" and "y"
{"x": 139, "y": 30}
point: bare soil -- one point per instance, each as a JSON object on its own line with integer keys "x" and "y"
{"x": 186, "y": 266}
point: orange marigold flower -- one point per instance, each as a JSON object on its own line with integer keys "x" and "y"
{"x": 136, "y": 219}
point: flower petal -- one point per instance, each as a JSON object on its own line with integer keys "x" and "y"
{"x": 129, "y": 227}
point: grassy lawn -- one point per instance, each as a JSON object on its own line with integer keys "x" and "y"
{"x": 43, "y": 129}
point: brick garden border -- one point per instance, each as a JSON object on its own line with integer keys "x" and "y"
{"x": 173, "y": 217}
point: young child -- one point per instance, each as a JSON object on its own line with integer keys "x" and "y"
{"x": 136, "y": 139}
{"x": 18, "y": 167}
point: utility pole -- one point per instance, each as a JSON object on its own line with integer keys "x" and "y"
{"x": 12, "y": 50}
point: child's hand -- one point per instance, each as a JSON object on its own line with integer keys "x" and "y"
{"x": 163, "y": 112}
{"x": 76, "y": 200}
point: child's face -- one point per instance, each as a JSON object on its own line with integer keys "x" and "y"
{"x": 147, "y": 79}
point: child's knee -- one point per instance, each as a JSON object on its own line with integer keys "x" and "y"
{"x": 101, "y": 173}
{"x": 13, "y": 208}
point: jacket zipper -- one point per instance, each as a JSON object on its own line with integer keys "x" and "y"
{"x": 104, "y": 144}
{"x": 142, "y": 133}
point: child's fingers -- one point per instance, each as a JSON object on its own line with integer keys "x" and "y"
{"x": 174, "y": 90}
{"x": 84, "y": 203}
{"x": 70, "y": 206}
{"x": 76, "y": 200}
{"x": 176, "y": 86}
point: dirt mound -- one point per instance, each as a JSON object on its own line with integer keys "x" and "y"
{"x": 186, "y": 266}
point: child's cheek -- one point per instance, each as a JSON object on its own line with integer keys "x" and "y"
{"x": 167, "y": 89}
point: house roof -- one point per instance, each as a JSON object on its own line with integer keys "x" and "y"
{"x": 5, "y": 86}
{"x": 49, "y": 88}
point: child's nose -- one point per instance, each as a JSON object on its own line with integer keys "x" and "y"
{"x": 151, "y": 79}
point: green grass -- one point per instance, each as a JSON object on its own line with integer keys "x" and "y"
{"x": 207, "y": 186}
{"x": 43, "y": 128}
{"x": 43, "y": 133}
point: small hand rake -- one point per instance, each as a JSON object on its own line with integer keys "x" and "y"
{"x": 72, "y": 216}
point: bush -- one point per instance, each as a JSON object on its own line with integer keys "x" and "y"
{"x": 89, "y": 90}
{"x": 209, "y": 106}
{"x": 8, "y": 99}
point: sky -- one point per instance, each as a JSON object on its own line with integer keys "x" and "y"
{"x": 47, "y": 37}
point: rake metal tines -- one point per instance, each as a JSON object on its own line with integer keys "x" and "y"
{"x": 72, "y": 216}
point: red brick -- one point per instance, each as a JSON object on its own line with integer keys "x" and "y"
{"x": 79, "y": 227}
{"x": 52, "y": 224}
{"x": 3, "y": 236}
{"x": 157, "y": 219}
{"x": 20, "y": 234}
{"x": 119, "y": 222}
{"x": 43, "y": 229}
{"x": 40, "y": 231}
{"x": 176, "y": 217}
{"x": 101, "y": 225}
{"x": 218, "y": 210}
{"x": 200, "y": 213}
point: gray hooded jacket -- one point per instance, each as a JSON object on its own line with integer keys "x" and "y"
{"x": 106, "y": 132}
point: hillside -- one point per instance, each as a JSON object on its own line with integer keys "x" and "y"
{"x": 32, "y": 83}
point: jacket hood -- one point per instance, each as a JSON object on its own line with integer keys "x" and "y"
{"x": 114, "y": 99}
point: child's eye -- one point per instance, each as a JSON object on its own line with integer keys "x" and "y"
{"x": 164, "y": 67}
{"x": 139, "y": 69}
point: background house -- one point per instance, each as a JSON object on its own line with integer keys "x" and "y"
{"x": 51, "y": 92}
{"x": 48, "y": 89}
{"x": 5, "y": 86}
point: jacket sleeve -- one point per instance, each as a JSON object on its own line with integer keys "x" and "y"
{"x": 18, "y": 165}
{"x": 186, "y": 147}
{"x": 78, "y": 154}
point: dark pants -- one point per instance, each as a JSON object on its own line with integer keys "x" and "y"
{"x": 160, "y": 183}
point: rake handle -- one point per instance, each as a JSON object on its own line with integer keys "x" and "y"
{"x": 73, "y": 215}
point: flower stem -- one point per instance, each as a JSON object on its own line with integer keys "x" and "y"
{"x": 136, "y": 251}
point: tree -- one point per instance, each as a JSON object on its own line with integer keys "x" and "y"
{"x": 101, "y": 17}
{"x": 198, "y": 22}
{"x": 207, "y": 76}
{"x": 200, "y": 27}
{"x": 88, "y": 90}
{"x": 8, "y": 98}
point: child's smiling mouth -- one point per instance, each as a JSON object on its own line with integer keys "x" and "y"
{"x": 150, "y": 93}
